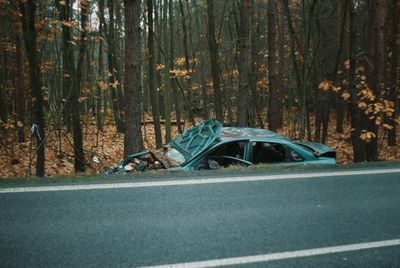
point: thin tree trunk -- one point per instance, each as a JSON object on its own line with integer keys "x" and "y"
{"x": 244, "y": 65}
{"x": 112, "y": 72}
{"x": 275, "y": 97}
{"x": 356, "y": 115}
{"x": 79, "y": 163}
{"x": 28, "y": 25}
{"x": 99, "y": 93}
{"x": 167, "y": 85}
{"x": 188, "y": 87}
{"x": 3, "y": 81}
{"x": 394, "y": 73}
{"x": 293, "y": 39}
{"x": 281, "y": 50}
{"x": 375, "y": 70}
{"x": 153, "y": 94}
{"x": 342, "y": 31}
{"x": 21, "y": 112}
{"x": 133, "y": 133}
{"x": 214, "y": 61}
{"x": 175, "y": 93}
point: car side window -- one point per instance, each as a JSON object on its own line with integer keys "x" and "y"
{"x": 233, "y": 149}
{"x": 268, "y": 152}
{"x": 294, "y": 156}
{"x": 225, "y": 155}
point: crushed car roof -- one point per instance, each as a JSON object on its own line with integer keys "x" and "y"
{"x": 243, "y": 132}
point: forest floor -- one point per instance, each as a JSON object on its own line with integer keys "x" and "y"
{"x": 104, "y": 149}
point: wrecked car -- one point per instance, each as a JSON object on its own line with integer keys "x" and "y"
{"x": 209, "y": 145}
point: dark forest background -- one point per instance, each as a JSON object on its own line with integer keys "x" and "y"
{"x": 84, "y": 82}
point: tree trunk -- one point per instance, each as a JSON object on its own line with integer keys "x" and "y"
{"x": 342, "y": 32}
{"x": 21, "y": 111}
{"x": 375, "y": 64}
{"x": 79, "y": 158}
{"x": 167, "y": 78}
{"x": 133, "y": 133}
{"x": 3, "y": 81}
{"x": 214, "y": 61}
{"x": 99, "y": 93}
{"x": 188, "y": 87}
{"x": 153, "y": 93}
{"x": 244, "y": 65}
{"x": 293, "y": 40}
{"x": 175, "y": 93}
{"x": 275, "y": 97}
{"x": 281, "y": 57}
{"x": 112, "y": 66}
{"x": 394, "y": 73}
{"x": 28, "y": 25}
{"x": 357, "y": 116}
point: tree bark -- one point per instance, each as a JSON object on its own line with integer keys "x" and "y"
{"x": 357, "y": 117}
{"x": 28, "y": 25}
{"x": 133, "y": 133}
{"x": 79, "y": 157}
{"x": 214, "y": 61}
{"x": 342, "y": 32}
{"x": 244, "y": 65}
{"x": 375, "y": 64}
{"x": 275, "y": 97}
{"x": 188, "y": 87}
{"x": 394, "y": 73}
{"x": 175, "y": 93}
{"x": 112, "y": 69}
{"x": 153, "y": 93}
{"x": 167, "y": 78}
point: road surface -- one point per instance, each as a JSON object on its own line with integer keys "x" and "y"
{"x": 334, "y": 219}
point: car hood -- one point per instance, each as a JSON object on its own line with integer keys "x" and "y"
{"x": 319, "y": 149}
{"x": 197, "y": 139}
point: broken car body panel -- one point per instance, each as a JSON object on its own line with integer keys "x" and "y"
{"x": 196, "y": 139}
{"x": 211, "y": 146}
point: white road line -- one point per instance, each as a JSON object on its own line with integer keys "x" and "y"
{"x": 193, "y": 181}
{"x": 281, "y": 255}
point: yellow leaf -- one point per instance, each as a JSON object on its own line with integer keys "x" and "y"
{"x": 378, "y": 120}
{"x": 324, "y": 85}
{"x": 363, "y": 136}
{"x": 345, "y": 95}
{"x": 102, "y": 85}
{"x": 389, "y": 113}
{"x": 160, "y": 67}
{"x": 362, "y": 105}
{"x": 335, "y": 89}
{"x": 387, "y": 126}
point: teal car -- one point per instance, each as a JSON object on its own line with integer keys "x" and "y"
{"x": 212, "y": 146}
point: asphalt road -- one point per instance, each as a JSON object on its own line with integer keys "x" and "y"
{"x": 185, "y": 223}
